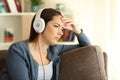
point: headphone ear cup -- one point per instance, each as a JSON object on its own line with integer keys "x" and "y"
{"x": 39, "y": 25}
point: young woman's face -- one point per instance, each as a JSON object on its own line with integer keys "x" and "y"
{"x": 54, "y": 30}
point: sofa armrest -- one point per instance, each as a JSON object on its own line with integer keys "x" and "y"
{"x": 105, "y": 62}
{"x": 85, "y": 63}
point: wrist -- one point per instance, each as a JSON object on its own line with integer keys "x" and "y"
{"x": 78, "y": 31}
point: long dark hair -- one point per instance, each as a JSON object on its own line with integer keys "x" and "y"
{"x": 47, "y": 14}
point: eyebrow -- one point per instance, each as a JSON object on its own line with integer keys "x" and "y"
{"x": 59, "y": 25}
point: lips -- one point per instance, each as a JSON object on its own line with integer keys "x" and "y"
{"x": 57, "y": 38}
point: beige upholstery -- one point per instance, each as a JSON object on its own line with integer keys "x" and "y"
{"x": 86, "y": 63}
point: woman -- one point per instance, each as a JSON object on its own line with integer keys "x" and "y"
{"x": 38, "y": 57}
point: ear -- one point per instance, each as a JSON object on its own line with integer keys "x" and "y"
{"x": 39, "y": 23}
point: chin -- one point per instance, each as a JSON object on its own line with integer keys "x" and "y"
{"x": 53, "y": 43}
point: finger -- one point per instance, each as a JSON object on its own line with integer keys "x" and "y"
{"x": 69, "y": 25}
{"x": 67, "y": 20}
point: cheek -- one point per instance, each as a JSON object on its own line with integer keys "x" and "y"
{"x": 51, "y": 31}
{"x": 49, "y": 36}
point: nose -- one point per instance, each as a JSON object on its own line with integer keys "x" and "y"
{"x": 60, "y": 32}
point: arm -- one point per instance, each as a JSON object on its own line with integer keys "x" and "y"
{"x": 16, "y": 65}
{"x": 70, "y": 25}
{"x": 82, "y": 38}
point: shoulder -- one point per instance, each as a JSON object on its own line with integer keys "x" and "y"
{"x": 56, "y": 48}
{"x": 18, "y": 47}
{"x": 20, "y": 44}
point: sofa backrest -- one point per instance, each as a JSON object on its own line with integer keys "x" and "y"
{"x": 86, "y": 63}
{"x": 3, "y": 54}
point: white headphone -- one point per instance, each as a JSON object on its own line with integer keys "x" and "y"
{"x": 39, "y": 23}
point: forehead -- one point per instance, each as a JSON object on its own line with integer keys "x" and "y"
{"x": 57, "y": 19}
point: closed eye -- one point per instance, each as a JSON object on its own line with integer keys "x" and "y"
{"x": 56, "y": 26}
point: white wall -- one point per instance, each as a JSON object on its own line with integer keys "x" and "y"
{"x": 91, "y": 16}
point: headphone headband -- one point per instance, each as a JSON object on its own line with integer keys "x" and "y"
{"x": 38, "y": 14}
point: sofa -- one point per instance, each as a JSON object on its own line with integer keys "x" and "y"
{"x": 3, "y": 54}
{"x": 85, "y": 63}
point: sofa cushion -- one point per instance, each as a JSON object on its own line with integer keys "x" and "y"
{"x": 86, "y": 63}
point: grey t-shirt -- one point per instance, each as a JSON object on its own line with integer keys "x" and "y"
{"x": 48, "y": 69}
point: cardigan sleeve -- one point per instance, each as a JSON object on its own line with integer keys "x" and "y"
{"x": 16, "y": 65}
{"x": 82, "y": 39}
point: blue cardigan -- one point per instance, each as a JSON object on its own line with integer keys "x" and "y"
{"x": 22, "y": 66}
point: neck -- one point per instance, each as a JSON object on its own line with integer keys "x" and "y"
{"x": 40, "y": 44}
